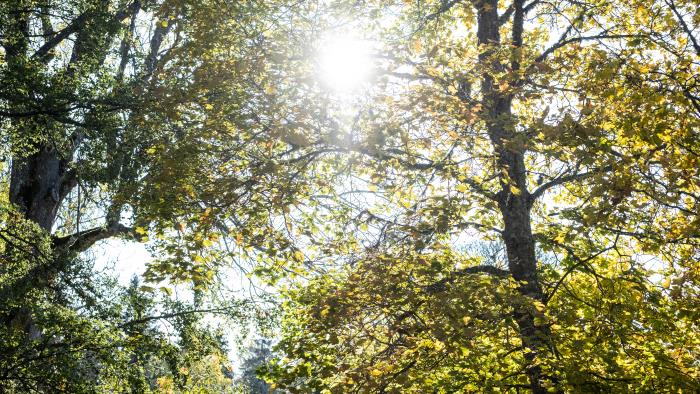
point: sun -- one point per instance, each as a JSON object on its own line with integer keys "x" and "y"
{"x": 344, "y": 63}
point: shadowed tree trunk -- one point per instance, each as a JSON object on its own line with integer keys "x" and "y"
{"x": 513, "y": 198}
{"x": 39, "y": 184}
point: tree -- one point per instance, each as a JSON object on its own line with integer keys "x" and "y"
{"x": 567, "y": 133}
{"x": 129, "y": 119}
{"x": 477, "y": 221}
{"x": 195, "y": 362}
{"x": 259, "y": 354}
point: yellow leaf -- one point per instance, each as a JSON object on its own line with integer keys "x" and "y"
{"x": 539, "y": 306}
{"x": 666, "y": 283}
{"x": 416, "y": 45}
{"x": 438, "y": 345}
{"x": 166, "y": 290}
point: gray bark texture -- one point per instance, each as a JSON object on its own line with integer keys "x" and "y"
{"x": 513, "y": 198}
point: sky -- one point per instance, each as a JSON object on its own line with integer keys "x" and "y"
{"x": 127, "y": 257}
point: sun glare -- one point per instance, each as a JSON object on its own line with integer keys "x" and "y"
{"x": 344, "y": 63}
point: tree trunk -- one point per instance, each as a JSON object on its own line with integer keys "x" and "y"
{"x": 38, "y": 185}
{"x": 513, "y": 198}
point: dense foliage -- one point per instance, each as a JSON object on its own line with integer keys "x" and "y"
{"x": 509, "y": 203}
{"x": 520, "y": 186}
{"x": 150, "y": 121}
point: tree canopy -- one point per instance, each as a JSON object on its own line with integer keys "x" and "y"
{"x": 531, "y": 225}
{"x": 133, "y": 119}
{"x": 509, "y": 201}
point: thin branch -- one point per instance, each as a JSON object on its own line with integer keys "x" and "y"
{"x": 126, "y": 42}
{"x": 43, "y": 53}
{"x": 579, "y": 262}
{"x": 565, "y": 179}
{"x": 174, "y": 314}
{"x": 564, "y": 41}
{"x": 685, "y": 27}
{"x": 446, "y": 6}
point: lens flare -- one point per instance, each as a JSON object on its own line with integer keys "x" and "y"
{"x": 344, "y": 63}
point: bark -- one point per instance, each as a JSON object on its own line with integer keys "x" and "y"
{"x": 513, "y": 198}
{"x": 38, "y": 185}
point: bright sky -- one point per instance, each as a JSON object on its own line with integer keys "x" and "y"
{"x": 344, "y": 63}
{"x": 127, "y": 258}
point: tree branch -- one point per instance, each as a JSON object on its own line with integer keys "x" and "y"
{"x": 395, "y": 154}
{"x": 83, "y": 240}
{"x": 685, "y": 27}
{"x": 444, "y": 7}
{"x": 564, "y": 179}
{"x": 68, "y": 181}
{"x": 563, "y": 41}
{"x": 530, "y": 6}
{"x": 78, "y": 23}
{"x": 503, "y": 18}
{"x": 579, "y": 262}
{"x": 174, "y": 314}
